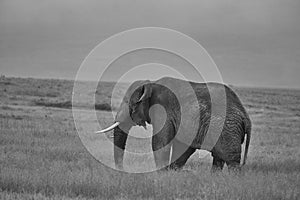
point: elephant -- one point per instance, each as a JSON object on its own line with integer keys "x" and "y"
{"x": 153, "y": 102}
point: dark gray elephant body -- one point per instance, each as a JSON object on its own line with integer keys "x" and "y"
{"x": 184, "y": 121}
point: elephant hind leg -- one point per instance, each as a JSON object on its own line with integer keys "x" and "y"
{"x": 180, "y": 154}
{"x": 217, "y": 165}
{"x": 233, "y": 163}
{"x": 231, "y": 156}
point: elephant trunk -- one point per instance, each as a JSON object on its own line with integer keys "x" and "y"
{"x": 120, "y": 138}
{"x": 121, "y": 127}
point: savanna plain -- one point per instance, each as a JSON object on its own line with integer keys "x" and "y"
{"x": 42, "y": 156}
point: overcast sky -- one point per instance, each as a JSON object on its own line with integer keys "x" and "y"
{"x": 254, "y": 43}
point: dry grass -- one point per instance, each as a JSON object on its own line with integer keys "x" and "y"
{"x": 42, "y": 157}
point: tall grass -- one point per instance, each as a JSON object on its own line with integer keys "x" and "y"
{"x": 42, "y": 157}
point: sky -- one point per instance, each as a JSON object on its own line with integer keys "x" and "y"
{"x": 254, "y": 43}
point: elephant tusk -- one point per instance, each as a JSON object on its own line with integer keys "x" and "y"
{"x": 145, "y": 127}
{"x": 109, "y": 128}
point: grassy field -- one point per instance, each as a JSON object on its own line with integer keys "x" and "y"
{"x": 42, "y": 157}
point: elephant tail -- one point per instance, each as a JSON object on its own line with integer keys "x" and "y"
{"x": 247, "y": 128}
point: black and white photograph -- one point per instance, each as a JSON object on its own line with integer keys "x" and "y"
{"x": 138, "y": 99}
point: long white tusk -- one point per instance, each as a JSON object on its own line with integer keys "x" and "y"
{"x": 109, "y": 128}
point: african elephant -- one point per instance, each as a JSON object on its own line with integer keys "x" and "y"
{"x": 168, "y": 122}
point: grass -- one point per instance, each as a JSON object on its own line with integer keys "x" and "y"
{"x": 57, "y": 104}
{"x": 42, "y": 157}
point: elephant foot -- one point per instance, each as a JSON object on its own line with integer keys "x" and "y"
{"x": 175, "y": 167}
{"x": 163, "y": 170}
{"x": 215, "y": 170}
{"x": 171, "y": 167}
{"x": 234, "y": 169}
{"x": 217, "y": 165}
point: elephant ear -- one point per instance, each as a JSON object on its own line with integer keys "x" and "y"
{"x": 146, "y": 91}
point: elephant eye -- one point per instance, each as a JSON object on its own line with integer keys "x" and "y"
{"x": 134, "y": 108}
{"x": 126, "y": 101}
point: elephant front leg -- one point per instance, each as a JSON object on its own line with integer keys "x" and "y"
{"x": 162, "y": 157}
{"x": 161, "y": 151}
{"x": 163, "y": 133}
{"x": 217, "y": 165}
{"x": 180, "y": 154}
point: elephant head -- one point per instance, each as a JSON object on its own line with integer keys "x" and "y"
{"x": 134, "y": 110}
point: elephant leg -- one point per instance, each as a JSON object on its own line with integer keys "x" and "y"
{"x": 161, "y": 142}
{"x": 234, "y": 163}
{"x": 232, "y": 157}
{"x": 229, "y": 148}
{"x": 217, "y": 165}
{"x": 180, "y": 154}
{"x": 162, "y": 156}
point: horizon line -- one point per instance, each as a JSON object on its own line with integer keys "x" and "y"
{"x": 70, "y": 79}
